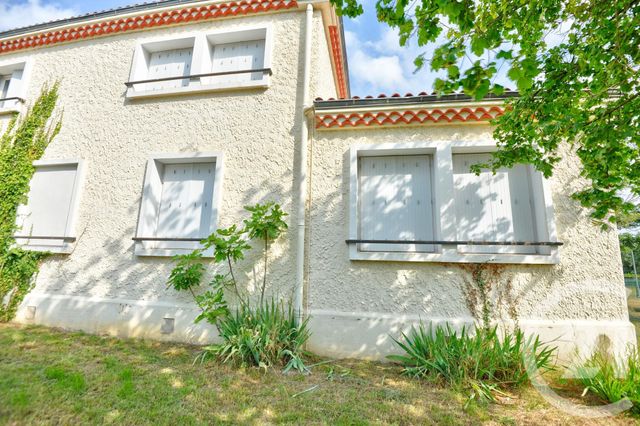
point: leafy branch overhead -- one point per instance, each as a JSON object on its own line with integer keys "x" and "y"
{"x": 576, "y": 65}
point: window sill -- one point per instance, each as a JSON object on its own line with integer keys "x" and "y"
{"x": 57, "y": 249}
{"x": 10, "y": 110}
{"x": 197, "y": 89}
{"x": 453, "y": 256}
{"x": 141, "y": 250}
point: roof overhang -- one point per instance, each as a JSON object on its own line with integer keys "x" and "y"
{"x": 356, "y": 113}
{"x": 134, "y": 18}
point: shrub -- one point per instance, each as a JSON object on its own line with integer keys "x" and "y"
{"x": 266, "y": 335}
{"x": 262, "y": 337}
{"x": 613, "y": 380}
{"x": 482, "y": 362}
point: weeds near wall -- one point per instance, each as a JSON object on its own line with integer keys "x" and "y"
{"x": 484, "y": 364}
{"x": 614, "y": 380}
{"x": 23, "y": 142}
{"x": 487, "y": 289}
{"x": 261, "y": 335}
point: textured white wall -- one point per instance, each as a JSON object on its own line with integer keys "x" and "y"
{"x": 256, "y": 129}
{"x": 586, "y": 285}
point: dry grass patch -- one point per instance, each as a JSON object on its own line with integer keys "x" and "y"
{"x": 54, "y": 377}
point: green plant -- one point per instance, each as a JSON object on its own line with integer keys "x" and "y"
{"x": 267, "y": 223}
{"x": 265, "y": 336}
{"x": 613, "y": 380}
{"x": 483, "y": 363}
{"x": 23, "y": 142}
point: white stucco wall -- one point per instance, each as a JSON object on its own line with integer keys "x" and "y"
{"x": 356, "y": 305}
{"x": 102, "y": 286}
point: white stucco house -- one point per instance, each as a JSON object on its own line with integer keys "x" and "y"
{"x": 179, "y": 113}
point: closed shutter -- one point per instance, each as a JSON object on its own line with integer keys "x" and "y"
{"x": 492, "y": 207}
{"x": 245, "y": 55}
{"x": 185, "y": 205}
{"x": 49, "y": 204}
{"x": 169, "y": 63}
{"x": 5, "y": 80}
{"x": 395, "y": 202}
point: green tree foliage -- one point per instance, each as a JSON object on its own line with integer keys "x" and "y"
{"x": 629, "y": 243}
{"x": 23, "y": 142}
{"x": 575, "y": 63}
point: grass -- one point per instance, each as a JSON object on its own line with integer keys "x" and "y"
{"x": 54, "y": 377}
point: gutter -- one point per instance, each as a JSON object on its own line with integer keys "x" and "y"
{"x": 298, "y": 295}
{"x": 406, "y": 100}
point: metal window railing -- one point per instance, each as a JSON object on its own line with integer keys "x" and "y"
{"x": 189, "y": 77}
{"x": 168, "y": 239}
{"x": 456, "y": 243}
{"x": 43, "y": 237}
{"x": 13, "y": 98}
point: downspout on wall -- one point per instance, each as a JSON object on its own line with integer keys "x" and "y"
{"x": 298, "y": 296}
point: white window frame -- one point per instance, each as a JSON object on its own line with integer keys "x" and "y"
{"x": 17, "y": 86}
{"x": 444, "y": 211}
{"x": 148, "y": 213}
{"x": 200, "y": 60}
{"x": 61, "y": 246}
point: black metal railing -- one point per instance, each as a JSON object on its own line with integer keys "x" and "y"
{"x": 13, "y": 98}
{"x": 461, "y": 243}
{"x": 43, "y": 237}
{"x": 189, "y": 77}
{"x": 167, "y": 239}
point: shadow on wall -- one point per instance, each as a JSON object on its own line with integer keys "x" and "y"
{"x": 117, "y": 292}
{"x": 121, "y": 294}
{"x": 357, "y": 307}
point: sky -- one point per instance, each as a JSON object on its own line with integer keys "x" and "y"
{"x": 377, "y": 63}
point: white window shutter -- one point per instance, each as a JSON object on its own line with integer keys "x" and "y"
{"x": 169, "y": 63}
{"x": 244, "y": 55}
{"x": 5, "y": 81}
{"x": 492, "y": 207}
{"x": 185, "y": 205}
{"x": 48, "y": 208}
{"x": 395, "y": 202}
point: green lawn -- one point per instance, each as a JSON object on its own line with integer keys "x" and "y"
{"x": 54, "y": 377}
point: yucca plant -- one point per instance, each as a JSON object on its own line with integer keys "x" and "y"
{"x": 482, "y": 362}
{"x": 613, "y": 380}
{"x": 264, "y": 336}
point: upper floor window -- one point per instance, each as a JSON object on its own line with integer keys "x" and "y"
{"x": 179, "y": 203}
{"x": 214, "y": 61}
{"x": 422, "y": 202}
{"x": 47, "y": 221}
{"x": 12, "y": 85}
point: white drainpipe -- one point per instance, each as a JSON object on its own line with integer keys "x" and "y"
{"x": 298, "y": 297}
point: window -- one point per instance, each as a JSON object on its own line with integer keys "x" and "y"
{"x": 179, "y": 204}
{"x": 169, "y": 63}
{"x": 48, "y": 217}
{"x": 425, "y": 193}
{"x": 163, "y": 60}
{"x": 395, "y": 202}
{"x": 12, "y": 85}
{"x": 214, "y": 61}
{"x": 493, "y": 207}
